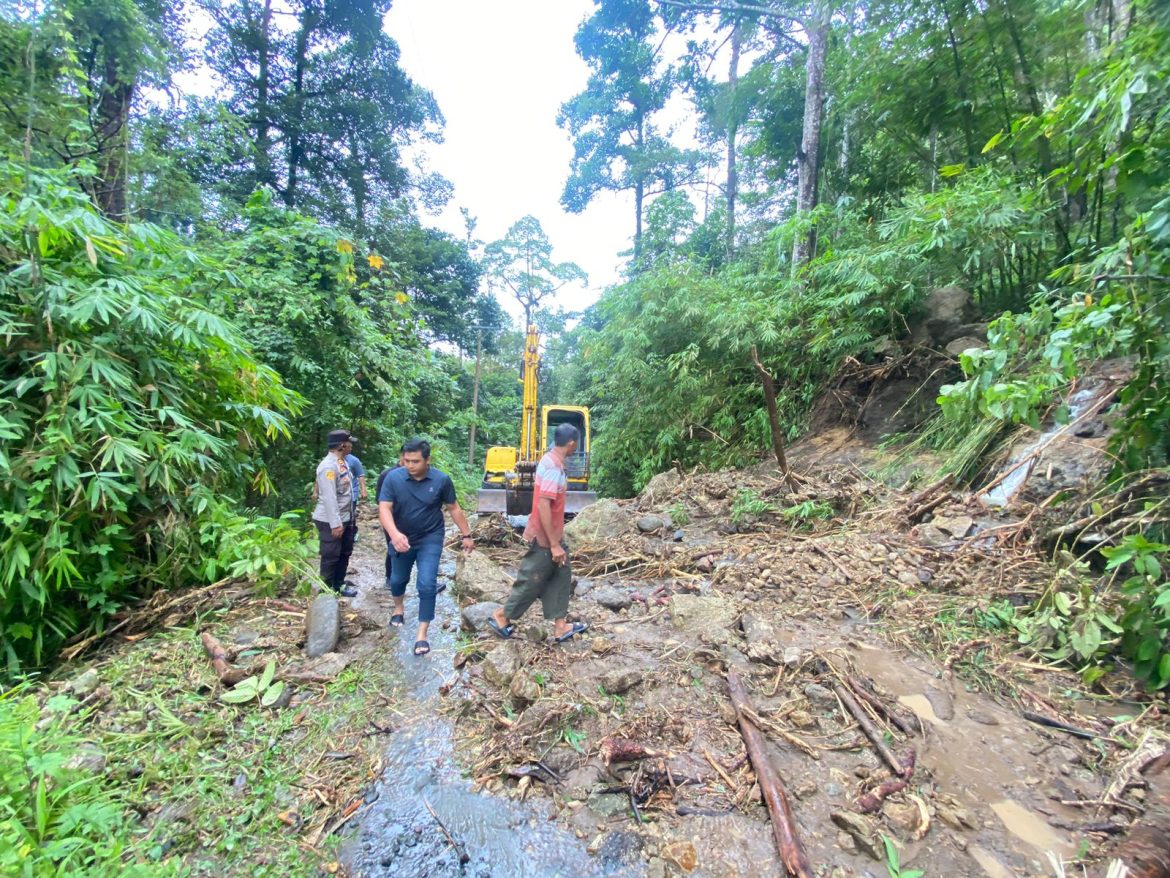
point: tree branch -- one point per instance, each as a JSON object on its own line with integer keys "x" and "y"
{"x": 732, "y": 7}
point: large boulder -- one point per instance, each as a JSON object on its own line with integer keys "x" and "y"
{"x": 660, "y": 489}
{"x": 502, "y": 663}
{"x": 601, "y": 521}
{"x": 322, "y": 625}
{"x": 763, "y": 641}
{"x": 948, "y": 311}
{"x": 475, "y": 617}
{"x": 478, "y": 578}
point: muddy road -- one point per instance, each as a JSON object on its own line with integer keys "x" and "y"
{"x": 518, "y": 748}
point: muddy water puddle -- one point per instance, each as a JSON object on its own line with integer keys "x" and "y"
{"x": 398, "y": 835}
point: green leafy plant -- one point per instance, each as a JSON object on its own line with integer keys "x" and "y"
{"x": 749, "y": 504}
{"x": 251, "y": 688}
{"x": 1145, "y": 616}
{"x": 1071, "y": 624}
{"x": 574, "y": 737}
{"x": 679, "y": 516}
{"x": 56, "y": 817}
{"x": 807, "y": 511}
{"x": 123, "y": 390}
{"x": 894, "y": 862}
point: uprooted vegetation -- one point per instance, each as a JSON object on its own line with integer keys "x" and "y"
{"x": 849, "y": 604}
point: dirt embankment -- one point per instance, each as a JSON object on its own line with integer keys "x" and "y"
{"x": 869, "y": 626}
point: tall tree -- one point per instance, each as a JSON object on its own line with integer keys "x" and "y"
{"x": 326, "y": 104}
{"x": 617, "y": 146}
{"x": 521, "y": 262}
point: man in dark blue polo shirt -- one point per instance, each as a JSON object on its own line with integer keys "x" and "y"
{"x": 410, "y": 507}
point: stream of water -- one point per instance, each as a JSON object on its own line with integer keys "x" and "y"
{"x": 398, "y": 835}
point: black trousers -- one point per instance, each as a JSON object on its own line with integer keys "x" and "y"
{"x": 335, "y": 552}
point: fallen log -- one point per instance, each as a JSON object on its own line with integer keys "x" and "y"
{"x": 788, "y": 843}
{"x": 872, "y": 801}
{"x": 901, "y": 767}
{"x": 1147, "y": 850}
{"x": 227, "y": 673}
{"x": 774, "y": 421}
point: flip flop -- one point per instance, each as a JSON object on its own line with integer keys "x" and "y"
{"x": 578, "y": 628}
{"x": 502, "y": 631}
{"x": 397, "y": 620}
{"x": 421, "y": 647}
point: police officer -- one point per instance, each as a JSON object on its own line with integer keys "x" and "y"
{"x": 333, "y": 514}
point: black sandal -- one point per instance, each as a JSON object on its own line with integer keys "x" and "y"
{"x": 397, "y": 620}
{"x": 421, "y": 647}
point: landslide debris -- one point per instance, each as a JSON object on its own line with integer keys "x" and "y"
{"x": 850, "y": 591}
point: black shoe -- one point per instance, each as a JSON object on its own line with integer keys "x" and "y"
{"x": 345, "y": 592}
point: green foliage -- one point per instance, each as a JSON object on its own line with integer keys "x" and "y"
{"x": 1145, "y": 606}
{"x": 807, "y": 511}
{"x": 251, "y": 688}
{"x": 127, "y": 400}
{"x": 679, "y": 516}
{"x": 749, "y": 504}
{"x": 55, "y": 817}
{"x": 894, "y": 862}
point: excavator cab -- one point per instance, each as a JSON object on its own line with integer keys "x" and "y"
{"x": 508, "y": 472}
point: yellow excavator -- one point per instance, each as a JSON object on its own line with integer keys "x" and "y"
{"x": 508, "y": 471}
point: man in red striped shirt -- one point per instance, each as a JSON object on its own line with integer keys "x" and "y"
{"x": 544, "y": 571}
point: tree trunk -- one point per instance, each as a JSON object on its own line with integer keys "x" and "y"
{"x": 817, "y": 28}
{"x": 639, "y": 196}
{"x": 967, "y": 111}
{"x": 475, "y": 397}
{"x": 295, "y": 133}
{"x": 263, "y": 110}
{"x": 732, "y": 131}
{"x": 113, "y": 114}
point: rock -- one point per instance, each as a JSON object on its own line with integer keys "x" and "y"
{"x": 846, "y": 843}
{"x": 929, "y": 535}
{"x": 579, "y": 781}
{"x": 582, "y": 588}
{"x": 802, "y": 719}
{"x": 475, "y": 617}
{"x": 660, "y": 488}
{"x": 705, "y": 614}
{"x": 907, "y": 577}
{"x": 325, "y": 667}
{"x": 322, "y": 625}
{"x": 794, "y": 656}
{"x": 612, "y": 598}
{"x": 535, "y": 632}
{"x": 621, "y": 848}
{"x": 948, "y": 310}
{"x": 957, "y": 526}
{"x": 943, "y": 704}
{"x": 681, "y": 854}
{"x": 819, "y": 696}
{"x": 601, "y": 521}
{"x": 618, "y": 681}
{"x": 608, "y": 804}
{"x": 762, "y": 642}
{"x": 524, "y": 688}
{"x": 963, "y": 343}
{"x": 478, "y": 578}
{"x": 862, "y": 831}
{"x": 245, "y": 638}
{"x": 982, "y": 717}
{"x": 678, "y": 535}
{"x": 650, "y": 523}
{"x": 805, "y": 788}
{"x": 656, "y": 868}
{"x": 599, "y": 645}
{"x": 903, "y": 815}
{"x": 89, "y": 758}
{"x": 953, "y": 814}
{"x": 536, "y": 717}
{"x": 502, "y": 663}
{"x": 84, "y": 683}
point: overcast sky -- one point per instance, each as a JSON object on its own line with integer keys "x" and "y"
{"x": 500, "y": 71}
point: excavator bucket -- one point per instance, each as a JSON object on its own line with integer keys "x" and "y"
{"x": 575, "y": 501}
{"x": 491, "y": 500}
